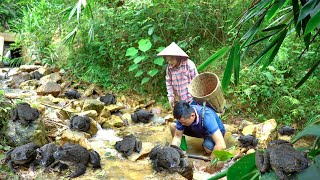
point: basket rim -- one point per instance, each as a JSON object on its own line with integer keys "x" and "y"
{"x": 202, "y": 74}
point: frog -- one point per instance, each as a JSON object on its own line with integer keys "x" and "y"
{"x": 21, "y": 155}
{"x": 45, "y": 155}
{"x": 108, "y": 99}
{"x": 77, "y": 157}
{"x": 282, "y": 158}
{"x": 168, "y": 158}
{"x": 80, "y": 123}
{"x": 248, "y": 141}
{"x": 141, "y": 115}
{"x": 72, "y": 94}
{"x": 24, "y": 113}
{"x": 286, "y": 130}
{"x": 128, "y": 145}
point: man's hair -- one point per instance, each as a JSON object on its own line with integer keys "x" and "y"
{"x": 182, "y": 109}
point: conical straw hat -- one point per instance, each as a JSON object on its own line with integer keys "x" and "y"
{"x": 172, "y": 50}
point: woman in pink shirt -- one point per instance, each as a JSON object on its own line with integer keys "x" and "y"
{"x": 180, "y": 71}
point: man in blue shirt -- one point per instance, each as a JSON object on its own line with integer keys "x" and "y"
{"x": 192, "y": 122}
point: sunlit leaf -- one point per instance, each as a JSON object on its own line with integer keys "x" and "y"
{"x": 133, "y": 67}
{"x": 144, "y": 45}
{"x": 307, "y": 9}
{"x": 308, "y": 74}
{"x": 159, "y": 49}
{"x": 261, "y": 39}
{"x": 139, "y": 73}
{"x": 150, "y": 30}
{"x": 228, "y": 71}
{"x": 159, "y": 61}
{"x": 222, "y": 155}
{"x": 213, "y": 58}
{"x": 312, "y": 130}
{"x": 219, "y": 175}
{"x": 139, "y": 59}
{"x": 254, "y": 28}
{"x": 145, "y": 80}
{"x": 275, "y": 8}
{"x": 276, "y": 49}
{"x": 313, "y": 23}
{"x": 236, "y": 64}
{"x": 153, "y": 72}
{"x": 240, "y": 169}
{"x": 277, "y": 27}
{"x": 131, "y": 51}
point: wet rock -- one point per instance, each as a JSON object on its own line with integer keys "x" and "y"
{"x": 231, "y": 128}
{"x": 75, "y": 137}
{"x": 45, "y": 70}
{"x": 18, "y": 134}
{"x": 29, "y": 85}
{"x": 113, "y": 121}
{"x": 113, "y": 108}
{"x": 29, "y": 68}
{"x": 158, "y": 120}
{"x": 91, "y": 113}
{"x": 230, "y": 139}
{"x": 93, "y": 104}
{"x": 169, "y": 118}
{"x": 49, "y": 88}
{"x": 54, "y": 77}
{"x": 18, "y": 79}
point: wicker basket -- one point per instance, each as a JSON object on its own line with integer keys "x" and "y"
{"x": 206, "y": 87}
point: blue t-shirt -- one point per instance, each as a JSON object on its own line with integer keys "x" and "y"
{"x": 203, "y": 128}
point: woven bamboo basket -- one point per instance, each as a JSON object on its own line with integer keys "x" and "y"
{"x": 206, "y": 87}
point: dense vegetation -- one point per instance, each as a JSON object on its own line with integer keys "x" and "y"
{"x": 93, "y": 39}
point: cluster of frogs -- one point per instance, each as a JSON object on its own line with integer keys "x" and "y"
{"x": 52, "y": 156}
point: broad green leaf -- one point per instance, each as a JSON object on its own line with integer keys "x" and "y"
{"x": 313, "y": 23}
{"x": 153, "y": 72}
{"x": 308, "y": 74}
{"x": 131, "y": 51}
{"x": 139, "y": 73}
{"x": 145, "y": 80}
{"x": 295, "y": 8}
{"x": 159, "y": 49}
{"x": 236, "y": 64}
{"x": 150, "y": 30}
{"x": 219, "y": 175}
{"x": 243, "y": 167}
{"x": 213, "y": 58}
{"x": 276, "y": 49}
{"x": 307, "y": 9}
{"x": 228, "y": 71}
{"x": 269, "y": 176}
{"x": 312, "y": 130}
{"x": 139, "y": 59}
{"x": 1, "y": 92}
{"x": 222, "y": 155}
{"x": 159, "y": 61}
{"x": 133, "y": 67}
{"x": 144, "y": 45}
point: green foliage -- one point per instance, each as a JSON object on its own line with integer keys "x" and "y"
{"x": 143, "y": 63}
{"x": 221, "y": 155}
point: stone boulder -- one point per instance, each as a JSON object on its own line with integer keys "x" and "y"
{"x": 93, "y": 104}
{"x": 29, "y": 68}
{"x": 49, "y": 88}
{"x": 54, "y": 77}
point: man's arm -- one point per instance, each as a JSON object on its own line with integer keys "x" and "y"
{"x": 177, "y": 138}
{"x": 218, "y": 139}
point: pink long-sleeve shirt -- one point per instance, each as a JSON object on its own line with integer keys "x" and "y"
{"x": 178, "y": 79}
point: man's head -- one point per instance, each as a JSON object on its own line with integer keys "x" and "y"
{"x": 184, "y": 113}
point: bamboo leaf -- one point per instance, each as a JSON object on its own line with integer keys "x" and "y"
{"x": 312, "y": 130}
{"x": 295, "y": 8}
{"x": 71, "y": 35}
{"x": 276, "y": 49}
{"x": 307, "y": 9}
{"x": 261, "y": 39}
{"x": 228, "y": 71}
{"x": 255, "y": 28}
{"x": 145, "y": 80}
{"x": 277, "y": 27}
{"x": 266, "y": 50}
{"x": 213, "y": 58}
{"x": 236, "y": 64}
{"x": 275, "y": 9}
{"x": 308, "y": 74}
{"x": 313, "y": 23}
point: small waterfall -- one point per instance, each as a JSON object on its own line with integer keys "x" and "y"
{"x": 105, "y": 134}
